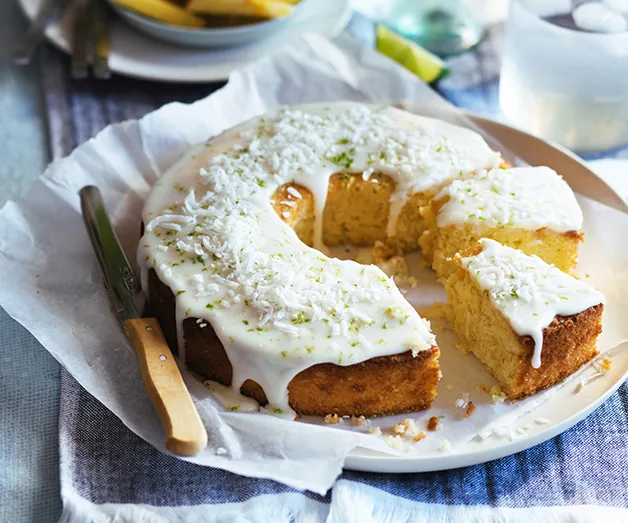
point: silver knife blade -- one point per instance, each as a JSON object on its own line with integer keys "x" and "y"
{"x": 120, "y": 282}
{"x": 48, "y": 12}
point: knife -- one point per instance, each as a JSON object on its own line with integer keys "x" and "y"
{"x": 184, "y": 431}
{"x": 49, "y": 11}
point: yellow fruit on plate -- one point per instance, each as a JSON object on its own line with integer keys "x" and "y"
{"x": 257, "y": 8}
{"x": 163, "y": 11}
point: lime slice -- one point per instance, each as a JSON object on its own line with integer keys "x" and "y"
{"x": 427, "y": 66}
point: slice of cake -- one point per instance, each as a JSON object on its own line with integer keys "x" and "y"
{"x": 529, "y": 323}
{"x": 528, "y": 208}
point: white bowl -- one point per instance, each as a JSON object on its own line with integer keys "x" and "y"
{"x": 201, "y": 37}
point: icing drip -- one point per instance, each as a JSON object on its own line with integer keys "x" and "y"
{"x": 527, "y": 291}
{"x": 278, "y": 306}
{"x": 522, "y": 197}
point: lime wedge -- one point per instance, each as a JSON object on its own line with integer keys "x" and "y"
{"x": 427, "y": 66}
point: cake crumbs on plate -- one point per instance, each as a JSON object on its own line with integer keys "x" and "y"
{"x": 333, "y": 419}
{"x": 449, "y": 386}
{"x": 496, "y": 392}
{"x": 413, "y": 282}
{"x": 462, "y": 403}
{"x": 436, "y": 311}
{"x": 445, "y": 445}
{"x": 470, "y": 410}
{"x": 601, "y": 367}
{"x": 407, "y": 427}
{"x": 419, "y": 436}
{"x": 221, "y": 450}
{"x": 461, "y": 348}
{"x": 394, "y": 441}
{"x": 438, "y": 328}
{"x": 542, "y": 421}
{"x": 604, "y": 365}
{"x": 434, "y": 423}
{"x": 376, "y": 431}
{"x": 359, "y": 420}
{"x": 399, "y": 428}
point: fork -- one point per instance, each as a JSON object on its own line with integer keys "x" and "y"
{"x": 90, "y": 40}
{"x": 48, "y": 12}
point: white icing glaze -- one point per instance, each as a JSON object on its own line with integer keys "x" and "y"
{"x": 522, "y": 197}
{"x": 230, "y": 398}
{"x": 278, "y": 306}
{"x": 527, "y": 291}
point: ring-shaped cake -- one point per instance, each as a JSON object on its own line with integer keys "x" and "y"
{"x": 233, "y": 256}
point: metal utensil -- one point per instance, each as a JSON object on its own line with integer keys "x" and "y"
{"x": 90, "y": 40}
{"x": 100, "y": 26}
{"x": 80, "y": 38}
{"x": 50, "y": 10}
{"x": 185, "y": 434}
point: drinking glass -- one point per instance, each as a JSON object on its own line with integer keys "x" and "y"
{"x": 445, "y": 27}
{"x": 564, "y": 84}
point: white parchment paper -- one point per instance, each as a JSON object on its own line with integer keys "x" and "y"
{"x": 51, "y": 283}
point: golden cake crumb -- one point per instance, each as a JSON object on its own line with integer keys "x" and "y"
{"x": 399, "y": 428}
{"x": 605, "y": 365}
{"x": 419, "y": 436}
{"x": 437, "y": 310}
{"x": 332, "y": 418}
{"x": 407, "y": 427}
{"x": 438, "y": 328}
{"x": 376, "y": 431}
{"x": 470, "y": 409}
{"x": 497, "y": 394}
{"x": 433, "y": 423}
{"x": 358, "y": 421}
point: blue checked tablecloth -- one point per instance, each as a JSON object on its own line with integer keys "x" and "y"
{"x": 107, "y": 473}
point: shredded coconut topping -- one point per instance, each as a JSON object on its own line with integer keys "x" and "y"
{"x": 462, "y": 402}
{"x": 216, "y": 239}
{"x": 523, "y": 197}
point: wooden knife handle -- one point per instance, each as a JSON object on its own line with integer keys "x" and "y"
{"x": 185, "y": 434}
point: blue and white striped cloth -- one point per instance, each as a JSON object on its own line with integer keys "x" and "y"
{"x": 109, "y": 474}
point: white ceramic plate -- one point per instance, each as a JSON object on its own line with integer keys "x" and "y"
{"x": 563, "y": 410}
{"x": 135, "y": 54}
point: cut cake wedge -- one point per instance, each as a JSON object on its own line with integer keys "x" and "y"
{"x": 529, "y": 323}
